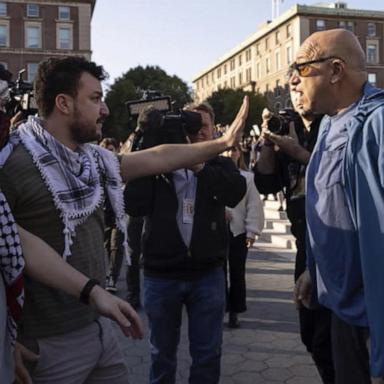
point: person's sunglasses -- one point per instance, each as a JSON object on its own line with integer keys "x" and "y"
{"x": 303, "y": 69}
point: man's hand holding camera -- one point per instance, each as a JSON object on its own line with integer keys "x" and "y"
{"x": 288, "y": 143}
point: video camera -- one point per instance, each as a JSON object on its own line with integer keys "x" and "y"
{"x": 157, "y": 124}
{"x": 21, "y": 97}
{"x": 279, "y": 124}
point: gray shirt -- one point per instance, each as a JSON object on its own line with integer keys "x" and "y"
{"x": 6, "y": 359}
{"x": 48, "y": 312}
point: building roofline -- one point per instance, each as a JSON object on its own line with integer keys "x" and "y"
{"x": 91, "y": 2}
{"x": 295, "y": 10}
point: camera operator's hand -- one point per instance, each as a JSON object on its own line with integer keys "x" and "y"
{"x": 233, "y": 135}
{"x": 289, "y": 144}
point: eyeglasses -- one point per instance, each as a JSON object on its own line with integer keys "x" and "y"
{"x": 303, "y": 69}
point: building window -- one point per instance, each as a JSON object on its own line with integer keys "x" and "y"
{"x": 240, "y": 59}
{"x": 277, "y": 89}
{"x": 266, "y": 43}
{"x": 347, "y": 25}
{"x": 32, "y": 70}
{"x": 64, "y": 13}
{"x": 371, "y": 29}
{"x": 372, "y": 79}
{"x": 64, "y": 37}
{"x": 248, "y": 55}
{"x": 225, "y": 84}
{"x": 225, "y": 69}
{"x": 240, "y": 78}
{"x": 4, "y": 35}
{"x": 233, "y": 82}
{"x": 232, "y": 64}
{"x": 32, "y": 10}
{"x": 213, "y": 76}
{"x": 267, "y": 64}
{"x": 289, "y": 30}
{"x": 33, "y": 36}
{"x": 218, "y": 73}
{"x": 258, "y": 72}
{"x": 277, "y": 59}
{"x": 277, "y": 37}
{"x": 372, "y": 54}
{"x": 257, "y": 49}
{"x": 289, "y": 55}
{"x": 320, "y": 25}
{"x": 248, "y": 75}
{"x": 3, "y": 9}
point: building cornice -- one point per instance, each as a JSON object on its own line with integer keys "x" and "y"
{"x": 72, "y": 3}
{"x": 43, "y": 52}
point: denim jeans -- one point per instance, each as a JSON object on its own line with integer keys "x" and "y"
{"x": 204, "y": 300}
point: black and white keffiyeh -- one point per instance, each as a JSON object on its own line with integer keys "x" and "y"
{"x": 76, "y": 179}
{"x": 11, "y": 264}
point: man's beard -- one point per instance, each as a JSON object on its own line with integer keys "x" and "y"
{"x": 81, "y": 130}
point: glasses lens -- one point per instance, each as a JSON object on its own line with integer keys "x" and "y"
{"x": 304, "y": 70}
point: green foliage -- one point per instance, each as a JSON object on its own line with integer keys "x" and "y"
{"x": 226, "y": 103}
{"x": 130, "y": 86}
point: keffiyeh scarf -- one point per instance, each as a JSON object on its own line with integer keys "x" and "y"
{"x": 11, "y": 266}
{"x": 77, "y": 180}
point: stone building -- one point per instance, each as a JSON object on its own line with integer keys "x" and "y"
{"x": 31, "y": 31}
{"x": 260, "y": 63}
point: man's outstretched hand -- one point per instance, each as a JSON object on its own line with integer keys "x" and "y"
{"x": 117, "y": 310}
{"x": 234, "y": 133}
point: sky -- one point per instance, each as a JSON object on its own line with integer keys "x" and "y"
{"x": 183, "y": 37}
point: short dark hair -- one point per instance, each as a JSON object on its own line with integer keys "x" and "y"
{"x": 203, "y": 107}
{"x": 61, "y": 75}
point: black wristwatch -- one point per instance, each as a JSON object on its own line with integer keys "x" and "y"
{"x": 85, "y": 292}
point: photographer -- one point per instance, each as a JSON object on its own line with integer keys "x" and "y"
{"x": 184, "y": 248}
{"x": 281, "y": 166}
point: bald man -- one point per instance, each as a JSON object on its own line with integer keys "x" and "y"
{"x": 345, "y": 200}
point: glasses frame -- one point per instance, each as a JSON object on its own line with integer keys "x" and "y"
{"x": 297, "y": 67}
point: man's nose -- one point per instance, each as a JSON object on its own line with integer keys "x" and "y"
{"x": 104, "y": 109}
{"x": 294, "y": 78}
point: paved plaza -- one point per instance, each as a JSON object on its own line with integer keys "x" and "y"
{"x": 266, "y": 349}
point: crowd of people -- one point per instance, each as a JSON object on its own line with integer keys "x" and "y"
{"x": 186, "y": 216}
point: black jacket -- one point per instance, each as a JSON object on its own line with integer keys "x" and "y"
{"x": 285, "y": 178}
{"x": 165, "y": 254}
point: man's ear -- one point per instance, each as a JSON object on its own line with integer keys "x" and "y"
{"x": 338, "y": 70}
{"x": 64, "y": 103}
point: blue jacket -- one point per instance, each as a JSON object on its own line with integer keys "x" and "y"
{"x": 364, "y": 186}
{"x": 347, "y": 240}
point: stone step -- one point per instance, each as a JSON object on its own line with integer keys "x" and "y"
{"x": 282, "y": 225}
{"x": 277, "y": 228}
